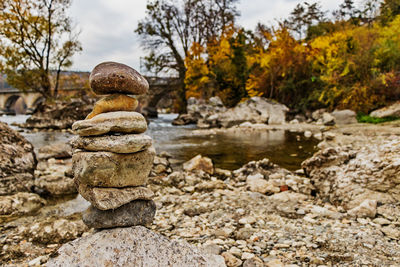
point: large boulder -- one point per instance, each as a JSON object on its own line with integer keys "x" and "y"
{"x": 254, "y": 110}
{"x": 345, "y": 116}
{"x": 390, "y": 111}
{"x": 17, "y": 162}
{"x": 347, "y": 177}
{"x": 133, "y": 246}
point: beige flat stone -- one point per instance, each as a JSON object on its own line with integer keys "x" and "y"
{"x": 112, "y": 198}
{"x": 114, "y": 102}
{"x": 115, "y": 122}
{"x": 108, "y": 169}
{"x": 127, "y": 143}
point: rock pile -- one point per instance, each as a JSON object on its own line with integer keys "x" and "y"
{"x": 112, "y": 158}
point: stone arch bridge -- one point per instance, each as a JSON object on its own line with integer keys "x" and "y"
{"x": 13, "y": 100}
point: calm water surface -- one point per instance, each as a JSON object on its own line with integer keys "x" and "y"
{"x": 228, "y": 150}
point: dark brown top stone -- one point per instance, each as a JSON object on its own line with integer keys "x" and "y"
{"x": 113, "y": 77}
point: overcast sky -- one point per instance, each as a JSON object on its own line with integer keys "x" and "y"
{"x": 107, "y": 26}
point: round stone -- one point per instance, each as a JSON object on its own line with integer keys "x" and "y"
{"x": 114, "y": 102}
{"x": 113, "y": 77}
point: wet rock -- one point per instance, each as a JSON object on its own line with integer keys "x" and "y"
{"x": 55, "y": 185}
{"x": 199, "y": 163}
{"x": 127, "y": 143}
{"x": 56, "y": 231}
{"x": 345, "y": 116}
{"x": 112, "y": 198}
{"x": 107, "y": 169}
{"x": 17, "y": 162}
{"x": 111, "y": 122}
{"x": 137, "y": 212}
{"x": 113, "y": 77}
{"x": 114, "y": 102}
{"x": 57, "y": 151}
{"x": 20, "y": 203}
{"x": 389, "y": 111}
{"x": 134, "y": 246}
{"x": 366, "y": 209}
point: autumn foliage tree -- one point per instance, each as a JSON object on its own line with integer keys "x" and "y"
{"x": 37, "y": 42}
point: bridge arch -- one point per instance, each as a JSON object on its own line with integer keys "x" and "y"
{"x": 15, "y": 104}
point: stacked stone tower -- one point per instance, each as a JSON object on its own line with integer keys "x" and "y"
{"x": 112, "y": 157}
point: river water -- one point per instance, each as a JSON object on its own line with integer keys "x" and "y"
{"x": 228, "y": 150}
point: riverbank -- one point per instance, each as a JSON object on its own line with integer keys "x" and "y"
{"x": 260, "y": 213}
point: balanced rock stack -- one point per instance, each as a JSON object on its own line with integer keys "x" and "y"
{"x": 112, "y": 157}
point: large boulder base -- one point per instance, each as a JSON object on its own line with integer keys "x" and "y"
{"x": 114, "y": 102}
{"x": 107, "y": 169}
{"x": 104, "y": 198}
{"x": 345, "y": 116}
{"x": 134, "y": 246}
{"x": 390, "y": 111}
{"x": 127, "y": 143}
{"x": 17, "y": 162}
{"x": 114, "y": 122}
{"x": 137, "y": 212}
{"x": 113, "y": 77}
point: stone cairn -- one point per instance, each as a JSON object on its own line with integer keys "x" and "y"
{"x": 112, "y": 157}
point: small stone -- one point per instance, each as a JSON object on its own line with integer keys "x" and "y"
{"x": 115, "y": 122}
{"x": 391, "y": 232}
{"x": 108, "y": 169}
{"x": 112, "y": 198}
{"x": 307, "y": 134}
{"x": 199, "y": 163}
{"x": 275, "y": 263}
{"x": 381, "y": 221}
{"x": 137, "y": 212}
{"x": 113, "y": 77}
{"x": 247, "y": 220}
{"x": 230, "y": 260}
{"x": 366, "y": 209}
{"x": 127, "y": 143}
{"x": 253, "y": 262}
{"x": 247, "y": 256}
{"x": 114, "y": 102}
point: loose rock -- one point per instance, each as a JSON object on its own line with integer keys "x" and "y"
{"x": 114, "y": 102}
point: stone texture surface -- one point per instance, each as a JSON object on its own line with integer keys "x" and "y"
{"x": 199, "y": 163}
{"x": 112, "y": 198}
{"x": 390, "y": 111}
{"x": 127, "y": 143}
{"x": 348, "y": 177}
{"x": 55, "y": 185}
{"x": 134, "y": 246}
{"x": 137, "y": 212}
{"x": 114, "y": 102}
{"x": 17, "y": 162}
{"x": 108, "y": 169}
{"x": 345, "y": 116}
{"x": 113, "y": 77}
{"x": 57, "y": 151}
{"x": 116, "y": 122}
{"x": 20, "y": 203}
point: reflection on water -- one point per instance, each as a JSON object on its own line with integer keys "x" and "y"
{"x": 229, "y": 150}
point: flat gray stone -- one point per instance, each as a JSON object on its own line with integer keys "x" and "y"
{"x": 133, "y": 246}
{"x": 137, "y": 212}
{"x": 113, "y": 77}
{"x": 108, "y": 169}
{"x": 114, "y": 122}
{"x": 111, "y": 198}
{"x": 127, "y": 143}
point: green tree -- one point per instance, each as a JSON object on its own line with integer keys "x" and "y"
{"x": 171, "y": 27}
{"x": 37, "y": 40}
